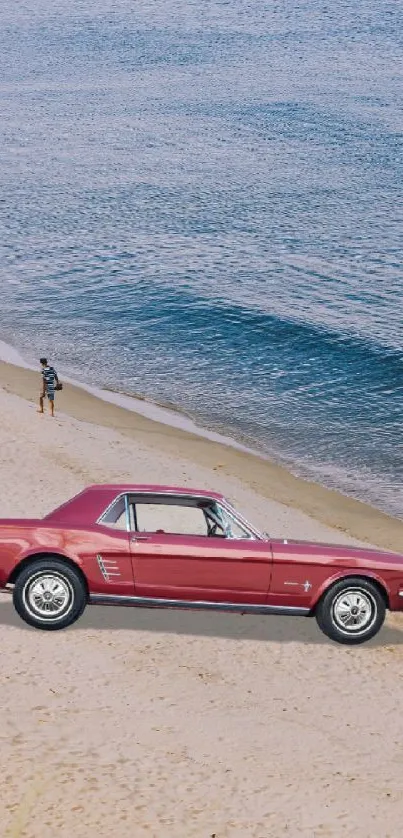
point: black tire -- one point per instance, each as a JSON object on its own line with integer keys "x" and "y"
{"x": 56, "y": 603}
{"x": 338, "y": 618}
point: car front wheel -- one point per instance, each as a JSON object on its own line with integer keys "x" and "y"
{"x": 351, "y": 611}
{"x": 49, "y": 594}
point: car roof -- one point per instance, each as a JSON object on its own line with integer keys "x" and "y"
{"x": 152, "y": 489}
{"x": 88, "y": 505}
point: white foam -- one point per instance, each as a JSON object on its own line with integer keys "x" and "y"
{"x": 12, "y": 356}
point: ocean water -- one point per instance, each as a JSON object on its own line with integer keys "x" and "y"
{"x": 202, "y": 203}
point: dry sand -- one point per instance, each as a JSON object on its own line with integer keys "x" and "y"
{"x": 170, "y": 724}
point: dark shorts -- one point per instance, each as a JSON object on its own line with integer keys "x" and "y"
{"x": 50, "y": 394}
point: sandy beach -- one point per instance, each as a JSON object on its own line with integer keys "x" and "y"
{"x": 166, "y": 724}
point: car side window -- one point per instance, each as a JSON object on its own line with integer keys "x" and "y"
{"x": 173, "y": 516}
{"x": 174, "y": 519}
{"x": 115, "y": 516}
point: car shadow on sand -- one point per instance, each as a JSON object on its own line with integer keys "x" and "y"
{"x": 270, "y": 629}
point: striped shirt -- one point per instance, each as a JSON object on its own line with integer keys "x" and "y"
{"x": 49, "y": 376}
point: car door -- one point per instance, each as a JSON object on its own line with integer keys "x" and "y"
{"x": 212, "y": 569}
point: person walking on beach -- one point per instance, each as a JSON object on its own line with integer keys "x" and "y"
{"x": 49, "y": 381}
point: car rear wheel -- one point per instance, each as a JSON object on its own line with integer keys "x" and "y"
{"x": 351, "y": 611}
{"x": 49, "y": 594}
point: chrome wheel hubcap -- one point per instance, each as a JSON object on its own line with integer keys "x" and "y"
{"x": 354, "y": 611}
{"x": 48, "y": 596}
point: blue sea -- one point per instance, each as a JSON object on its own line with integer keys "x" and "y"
{"x": 201, "y": 202}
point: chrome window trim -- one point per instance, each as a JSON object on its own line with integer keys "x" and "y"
{"x": 127, "y": 512}
{"x": 229, "y": 509}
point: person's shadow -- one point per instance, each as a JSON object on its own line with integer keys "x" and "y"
{"x": 270, "y": 629}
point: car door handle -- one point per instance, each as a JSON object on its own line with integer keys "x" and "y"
{"x": 140, "y": 538}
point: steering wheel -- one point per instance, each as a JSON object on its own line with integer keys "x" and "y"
{"x": 212, "y": 531}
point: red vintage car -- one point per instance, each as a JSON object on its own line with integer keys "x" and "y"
{"x": 167, "y": 547}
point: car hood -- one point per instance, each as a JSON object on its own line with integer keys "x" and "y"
{"x": 342, "y": 549}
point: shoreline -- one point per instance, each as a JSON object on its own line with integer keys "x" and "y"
{"x": 134, "y": 403}
{"x": 173, "y": 416}
{"x": 219, "y": 454}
